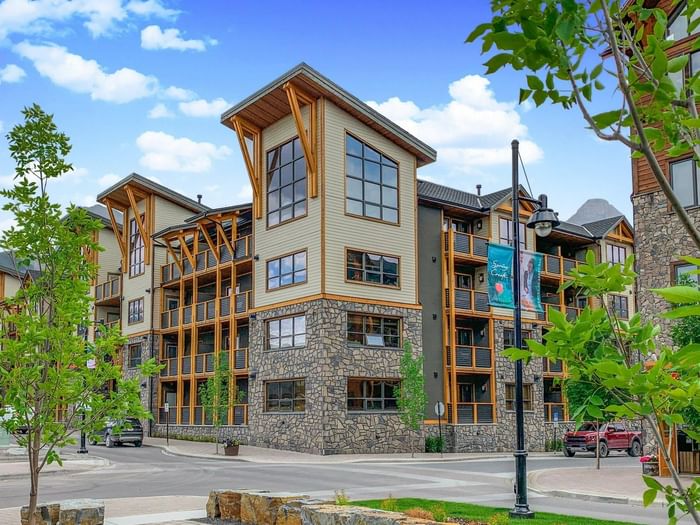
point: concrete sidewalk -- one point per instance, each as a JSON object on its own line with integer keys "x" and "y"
{"x": 607, "y": 485}
{"x": 20, "y": 468}
{"x": 269, "y": 455}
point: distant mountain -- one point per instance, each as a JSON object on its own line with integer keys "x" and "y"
{"x": 594, "y": 210}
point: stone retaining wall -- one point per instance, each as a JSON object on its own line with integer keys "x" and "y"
{"x": 199, "y": 432}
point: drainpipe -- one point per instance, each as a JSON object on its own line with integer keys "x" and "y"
{"x": 151, "y": 379}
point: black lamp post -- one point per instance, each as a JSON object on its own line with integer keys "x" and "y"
{"x": 542, "y": 221}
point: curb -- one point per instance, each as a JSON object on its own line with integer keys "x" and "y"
{"x": 176, "y": 452}
{"x": 584, "y": 496}
{"x": 100, "y": 463}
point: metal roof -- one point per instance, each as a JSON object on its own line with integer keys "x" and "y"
{"x": 216, "y": 211}
{"x": 601, "y": 228}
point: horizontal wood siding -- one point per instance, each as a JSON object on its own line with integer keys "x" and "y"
{"x": 345, "y": 231}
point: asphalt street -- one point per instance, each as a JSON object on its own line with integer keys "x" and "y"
{"x": 149, "y": 471}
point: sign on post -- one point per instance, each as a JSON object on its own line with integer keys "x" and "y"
{"x": 439, "y": 409}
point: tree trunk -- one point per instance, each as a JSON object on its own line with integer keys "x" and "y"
{"x": 33, "y": 451}
{"x": 597, "y": 446}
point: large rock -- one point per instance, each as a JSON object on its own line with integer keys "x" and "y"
{"x": 82, "y": 512}
{"x": 261, "y": 508}
{"x": 347, "y": 515}
{"x": 41, "y": 513}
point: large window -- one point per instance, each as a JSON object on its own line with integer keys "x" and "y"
{"x": 286, "y": 183}
{"x": 286, "y": 271}
{"x": 134, "y": 355}
{"x": 372, "y": 330}
{"x": 505, "y": 232}
{"x": 684, "y": 179}
{"x": 137, "y": 265}
{"x": 678, "y": 23}
{"x": 287, "y": 332}
{"x": 373, "y": 268}
{"x": 285, "y": 396}
{"x": 617, "y": 254}
{"x": 372, "y": 185}
{"x": 510, "y": 397}
{"x": 620, "y": 305}
{"x": 681, "y": 272}
{"x": 372, "y": 394}
{"x": 135, "y": 314}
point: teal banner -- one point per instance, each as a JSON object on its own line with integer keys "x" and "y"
{"x": 500, "y": 278}
{"x": 500, "y": 275}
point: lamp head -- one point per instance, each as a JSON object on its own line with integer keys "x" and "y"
{"x": 544, "y": 219}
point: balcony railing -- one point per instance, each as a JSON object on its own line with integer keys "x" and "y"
{"x": 466, "y": 244}
{"x": 242, "y": 302}
{"x": 242, "y": 246}
{"x": 204, "y": 363}
{"x": 470, "y": 300}
{"x": 572, "y": 313}
{"x": 108, "y": 290}
{"x": 171, "y": 271}
{"x": 107, "y": 326}
{"x": 471, "y": 357}
{"x": 170, "y": 318}
{"x": 557, "y": 266}
{"x": 206, "y": 310}
{"x": 240, "y": 359}
{"x": 554, "y": 411}
{"x": 170, "y": 367}
{"x": 475, "y": 413}
{"x": 205, "y": 260}
{"x": 169, "y": 416}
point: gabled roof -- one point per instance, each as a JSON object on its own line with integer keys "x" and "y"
{"x": 216, "y": 211}
{"x": 574, "y": 229}
{"x": 602, "y": 227}
{"x": 269, "y": 104}
{"x": 445, "y": 195}
{"x": 148, "y": 185}
{"x": 98, "y": 211}
{"x": 174, "y": 228}
{"x": 9, "y": 265}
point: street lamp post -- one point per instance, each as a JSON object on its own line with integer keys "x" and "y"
{"x": 543, "y": 220}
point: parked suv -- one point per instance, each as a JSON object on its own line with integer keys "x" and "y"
{"x": 612, "y": 436}
{"x": 120, "y": 432}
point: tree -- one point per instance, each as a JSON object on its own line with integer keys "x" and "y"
{"x": 218, "y": 393}
{"x": 411, "y": 399}
{"x": 568, "y": 47}
{"x": 614, "y": 355}
{"x": 48, "y": 366}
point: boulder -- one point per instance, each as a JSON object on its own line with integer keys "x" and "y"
{"x": 41, "y": 513}
{"x": 348, "y": 515}
{"x": 261, "y": 508}
{"x": 82, "y": 512}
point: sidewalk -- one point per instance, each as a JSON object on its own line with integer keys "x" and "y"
{"x": 607, "y": 485}
{"x": 268, "y": 455}
{"x": 72, "y": 463}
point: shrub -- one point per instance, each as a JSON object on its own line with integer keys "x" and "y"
{"x": 553, "y": 445}
{"x": 389, "y": 504}
{"x": 341, "y": 498}
{"x": 439, "y": 512}
{"x": 434, "y": 444}
{"x": 421, "y": 514}
{"x": 499, "y": 519}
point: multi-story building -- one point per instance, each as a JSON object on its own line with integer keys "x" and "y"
{"x": 309, "y": 292}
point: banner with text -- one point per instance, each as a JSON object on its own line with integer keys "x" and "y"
{"x": 500, "y": 278}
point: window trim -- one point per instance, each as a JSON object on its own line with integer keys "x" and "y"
{"x": 367, "y": 283}
{"x": 382, "y": 317}
{"x": 347, "y": 132}
{"x": 282, "y": 412}
{"x": 611, "y": 300}
{"x": 672, "y": 18}
{"x": 280, "y": 257}
{"x": 137, "y": 234}
{"x": 265, "y": 172}
{"x": 696, "y": 183}
{"x": 611, "y": 245}
{"x": 674, "y": 273}
{"x": 382, "y": 410}
{"x": 526, "y": 387}
{"x": 143, "y": 311}
{"x": 129, "y": 348}
{"x": 294, "y": 335}
{"x": 510, "y": 232}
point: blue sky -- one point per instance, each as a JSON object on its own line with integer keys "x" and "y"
{"x": 138, "y": 85}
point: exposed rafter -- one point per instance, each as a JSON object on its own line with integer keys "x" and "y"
{"x": 253, "y": 165}
{"x": 184, "y": 248}
{"x": 210, "y": 242}
{"x": 227, "y": 242}
{"x": 307, "y": 137}
{"x": 173, "y": 254}
{"x": 121, "y": 237}
{"x": 139, "y": 223}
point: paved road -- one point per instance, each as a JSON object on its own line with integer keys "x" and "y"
{"x": 149, "y": 471}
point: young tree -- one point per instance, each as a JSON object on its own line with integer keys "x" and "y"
{"x": 48, "y": 365}
{"x": 570, "y": 46}
{"x": 218, "y": 393}
{"x": 411, "y": 398}
{"x": 613, "y": 355}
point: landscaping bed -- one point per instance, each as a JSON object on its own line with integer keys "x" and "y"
{"x": 468, "y": 514}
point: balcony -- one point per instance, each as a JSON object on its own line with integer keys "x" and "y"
{"x": 204, "y": 363}
{"x": 468, "y": 301}
{"x": 171, "y": 271}
{"x": 557, "y": 267}
{"x": 475, "y": 413}
{"x": 205, "y": 311}
{"x": 169, "y": 367}
{"x": 110, "y": 325}
{"x": 109, "y": 292}
{"x": 242, "y": 302}
{"x": 572, "y": 313}
{"x": 474, "y": 357}
{"x": 466, "y": 245}
{"x": 170, "y": 318}
{"x": 205, "y": 261}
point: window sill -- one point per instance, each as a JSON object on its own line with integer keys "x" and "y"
{"x": 284, "y": 413}
{"x": 371, "y": 347}
{"x": 371, "y": 412}
{"x": 285, "y": 349}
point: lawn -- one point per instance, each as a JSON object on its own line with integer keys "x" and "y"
{"x": 478, "y": 513}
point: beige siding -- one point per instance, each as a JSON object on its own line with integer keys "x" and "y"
{"x": 344, "y": 231}
{"x": 135, "y": 287}
{"x": 110, "y": 259}
{"x": 12, "y": 285}
{"x": 297, "y": 235}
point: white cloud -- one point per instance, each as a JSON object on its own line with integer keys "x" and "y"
{"x": 78, "y": 74}
{"x": 160, "y": 110}
{"x": 108, "y": 180}
{"x": 153, "y": 38}
{"x": 204, "y": 108}
{"x": 163, "y": 152}
{"x": 177, "y": 93}
{"x": 11, "y": 73}
{"x": 99, "y": 16}
{"x": 245, "y": 193}
{"x": 471, "y": 132}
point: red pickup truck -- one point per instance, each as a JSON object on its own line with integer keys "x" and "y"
{"x": 612, "y": 436}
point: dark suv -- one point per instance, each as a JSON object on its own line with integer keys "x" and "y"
{"x": 120, "y": 432}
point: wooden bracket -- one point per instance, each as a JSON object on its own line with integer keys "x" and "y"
{"x": 177, "y": 260}
{"x": 253, "y": 165}
{"x": 221, "y": 231}
{"x": 139, "y": 223}
{"x": 185, "y": 249}
{"x": 307, "y": 137}
{"x": 121, "y": 237}
{"x": 210, "y": 242}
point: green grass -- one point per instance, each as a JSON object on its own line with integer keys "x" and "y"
{"x": 477, "y": 513}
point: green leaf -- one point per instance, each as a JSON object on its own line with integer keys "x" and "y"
{"x": 509, "y": 41}
{"x": 606, "y": 119}
{"x": 649, "y": 497}
{"x": 586, "y": 91}
{"x": 496, "y": 62}
{"x": 565, "y": 28}
{"x": 478, "y": 31}
{"x": 680, "y": 312}
{"x": 524, "y": 95}
{"x": 679, "y": 294}
{"x": 534, "y": 82}
{"x": 597, "y": 71}
{"x": 659, "y": 66}
{"x": 595, "y": 412}
{"x": 652, "y": 483}
{"x": 677, "y": 64}
{"x": 539, "y": 97}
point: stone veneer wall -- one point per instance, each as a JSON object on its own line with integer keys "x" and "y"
{"x": 325, "y": 363}
{"x": 659, "y": 241}
{"x": 150, "y": 345}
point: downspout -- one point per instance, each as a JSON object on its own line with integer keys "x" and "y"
{"x": 151, "y": 379}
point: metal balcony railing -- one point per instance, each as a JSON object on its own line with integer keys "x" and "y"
{"x": 466, "y": 244}
{"x": 475, "y": 413}
{"x": 206, "y": 310}
{"x": 468, "y": 300}
{"x": 108, "y": 290}
{"x": 170, "y": 367}
{"x": 471, "y": 357}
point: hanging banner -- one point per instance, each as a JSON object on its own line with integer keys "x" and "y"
{"x": 530, "y": 269}
{"x": 500, "y": 278}
{"x": 500, "y": 275}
